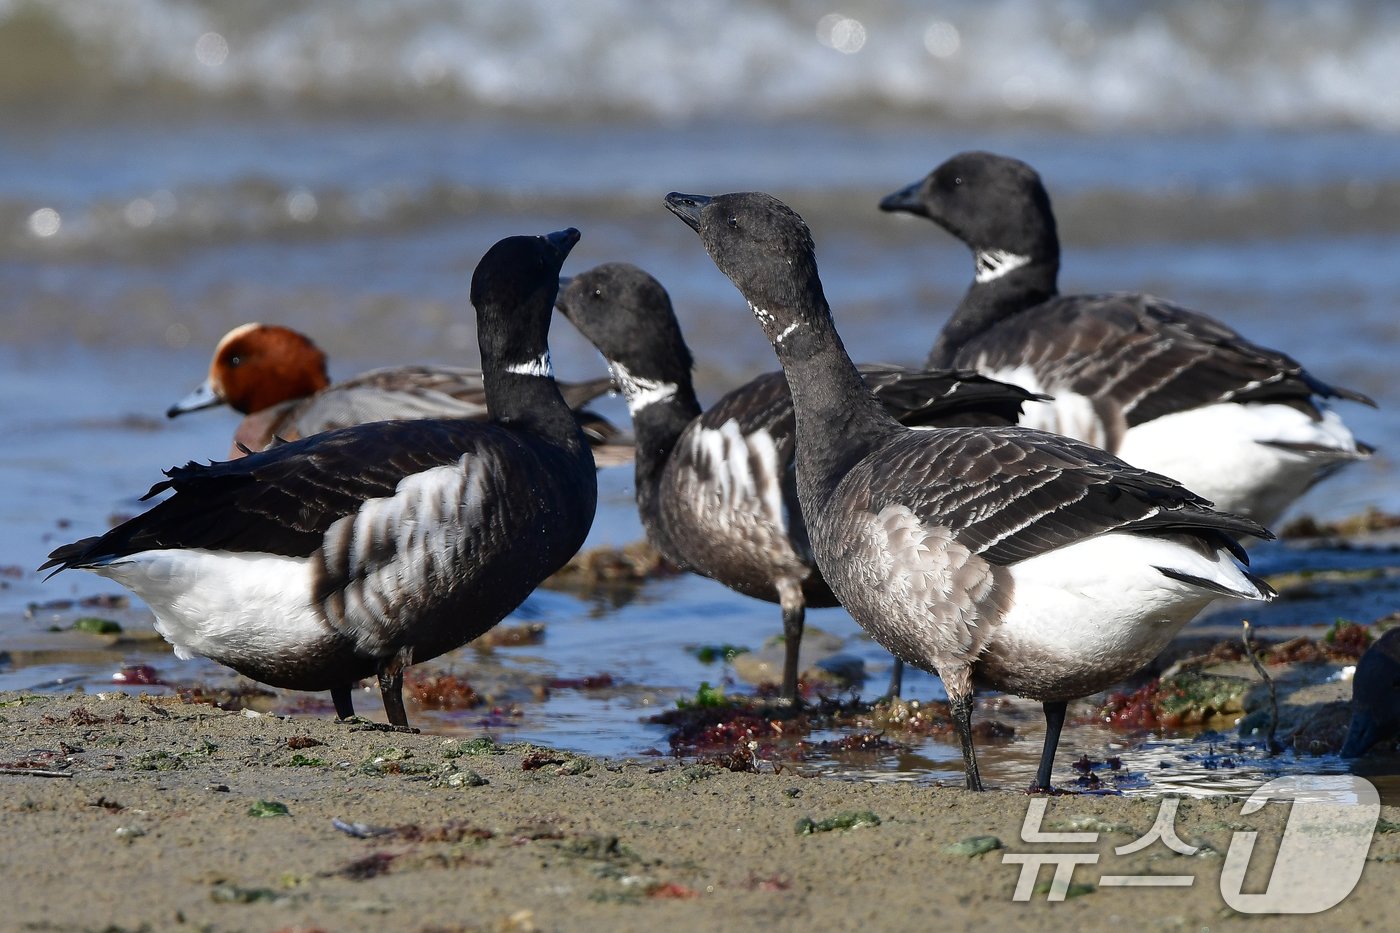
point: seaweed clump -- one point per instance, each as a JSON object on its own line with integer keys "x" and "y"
{"x": 442, "y": 690}
{"x": 1187, "y": 698}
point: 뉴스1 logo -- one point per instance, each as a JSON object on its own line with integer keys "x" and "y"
{"x": 1331, "y": 823}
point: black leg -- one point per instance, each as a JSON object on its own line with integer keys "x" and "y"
{"x": 794, "y": 615}
{"x": 961, "y": 707}
{"x": 896, "y": 680}
{"x": 1054, "y": 722}
{"x": 391, "y": 691}
{"x": 344, "y": 707}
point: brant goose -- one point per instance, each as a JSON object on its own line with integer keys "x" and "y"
{"x": 1165, "y": 388}
{"x": 715, "y": 490}
{"x": 1375, "y": 696}
{"x": 1000, "y": 556}
{"x": 276, "y": 377}
{"x": 320, "y": 562}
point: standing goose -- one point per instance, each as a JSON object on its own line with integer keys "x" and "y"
{"x": 276, "y": 377}
{"x": 1165, "y": 388}
{"x": 323, "y": 561}
{"x": 715, "y": 490}
{"x": 1006, "y": 557}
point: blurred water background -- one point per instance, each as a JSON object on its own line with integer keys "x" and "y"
{"x": 170, "y": 169}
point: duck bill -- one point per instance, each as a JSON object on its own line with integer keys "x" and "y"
{"x": 905, "y": 199}
{"x": 206, "y": 396}
{"x": 687, "y": 207}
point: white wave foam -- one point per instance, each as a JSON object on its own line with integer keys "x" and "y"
{"x": 1084, "y": 62}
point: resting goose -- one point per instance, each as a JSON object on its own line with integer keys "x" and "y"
{"x": 1000, "y": 556}
{"x": 1167, "y": 389}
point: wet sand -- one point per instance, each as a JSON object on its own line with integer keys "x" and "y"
{"x": 157, "y": 826}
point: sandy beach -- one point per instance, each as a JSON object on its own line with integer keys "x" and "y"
{"x": 171, "y": 170}
{"x": 181, "y": 816}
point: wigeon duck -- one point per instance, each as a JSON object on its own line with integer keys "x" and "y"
{"x": 999, "y": 556}
{"x": 276, "y": 377}
{"x": 1165, "y": 388}
{"x": 715, "y": 488}
{"x": 319, "y": 562}
{"x": 1375, "y": 696}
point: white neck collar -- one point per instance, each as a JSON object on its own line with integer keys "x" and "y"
{"x": 540, "y": 366}
{"x": 992, "y": 264}
{"x": 641, "y": 392}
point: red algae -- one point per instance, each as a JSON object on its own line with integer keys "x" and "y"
{"x": 303, "y": 741}
{"x": 143, "y": 675}
{"x": 370, "y": 866}
{"x": 442, "y": 690}
{"x": 536, "y": 760}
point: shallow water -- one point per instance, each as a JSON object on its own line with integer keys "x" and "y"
{"x": 84, "y": 444}
{"x": 154, "y": 196}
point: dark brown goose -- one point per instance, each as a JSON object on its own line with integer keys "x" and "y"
{"x": 1167, "y": 389}
{"x": 1006, "y": 557}
{"x": 353, "y": 553}
{"x": 715, "y": 489}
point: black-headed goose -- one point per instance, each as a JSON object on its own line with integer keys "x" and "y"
{"x": 715, "y": 488}
{"x": 356, "y": 552}
{"x": 1000, "y": 556}
{"x": 1167, "y": 389}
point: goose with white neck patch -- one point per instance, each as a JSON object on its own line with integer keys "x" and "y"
{"x": 1001, "y": 556}
{"x": 1167, "y": 389}
{"x": 715, "y": 488}
{"x": 357, "y": 552}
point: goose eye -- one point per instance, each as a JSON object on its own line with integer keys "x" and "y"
{"x": 235, "y": 361}
{"x": 957, "y": 179}
{"x": 597, "y": 293}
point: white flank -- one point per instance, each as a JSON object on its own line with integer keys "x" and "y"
{"x": 731, "y": 454}
{"x": 228, "y": 607}
{"x": 428, "y": 521}
{"x": 1224, "y": 452}
{"x": 992, "y": 264}
{"x": 1067, "y": 413}
{"x": 539, "y": 366}
{"x": 1103, "y": 602}
{"x": 1022, "y": 375}
{"x": 640, "y": 392}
